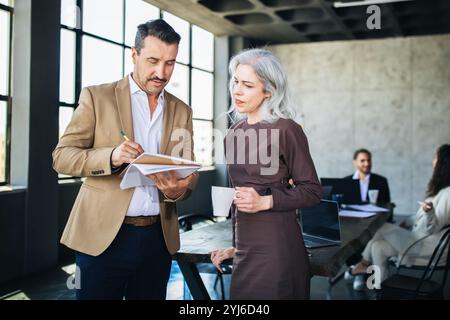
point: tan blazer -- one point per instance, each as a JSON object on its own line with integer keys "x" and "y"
{"x": 85, "y": 150}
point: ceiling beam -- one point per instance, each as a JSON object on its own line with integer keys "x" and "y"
{"x": 336, "y": 19}
{"x": 339, "y": 4}
{"x": 390, "y": 13}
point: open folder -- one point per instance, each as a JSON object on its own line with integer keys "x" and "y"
{"x": 135, "y": 173}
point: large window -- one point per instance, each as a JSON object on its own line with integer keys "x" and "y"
{"x": 193, "y": 82}
{"x": 6, "y": 16}
{"x": 96, "y": 48}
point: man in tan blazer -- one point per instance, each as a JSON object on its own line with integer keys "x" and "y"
{"x": 124, "y": 239}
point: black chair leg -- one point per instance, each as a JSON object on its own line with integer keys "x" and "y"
{"x": 216, "y": 281}
{"x": 219, "y": 278}
{"x": 222, "y": 287}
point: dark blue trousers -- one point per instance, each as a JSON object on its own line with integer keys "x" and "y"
{"x": 136, "y": 266}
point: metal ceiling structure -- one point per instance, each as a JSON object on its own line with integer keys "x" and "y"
{"x": 287, "y": 21}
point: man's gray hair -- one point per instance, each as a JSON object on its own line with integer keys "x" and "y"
{"x": 269, "y": 70}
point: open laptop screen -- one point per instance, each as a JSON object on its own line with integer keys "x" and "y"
{"x": 322, "y": 220}
{"x": 348, "y": 187}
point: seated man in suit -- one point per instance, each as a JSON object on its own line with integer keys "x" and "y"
{"x": 362, "y": 160}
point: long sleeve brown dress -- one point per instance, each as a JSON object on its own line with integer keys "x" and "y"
{"x": 271, "y": 261}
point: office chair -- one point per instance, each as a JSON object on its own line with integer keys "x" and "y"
{"x": 400, "y": 286}
{"x": 186, "y": 223}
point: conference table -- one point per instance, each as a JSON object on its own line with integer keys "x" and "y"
{"x": 197, "y": 244}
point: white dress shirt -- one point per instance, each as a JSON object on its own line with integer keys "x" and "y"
{"x": 363, "y": 185}
{"x": 147, "y": 132}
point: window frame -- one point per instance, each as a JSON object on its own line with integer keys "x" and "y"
{"x": 8, "y": 98}
{"x": 191, "y": 67}
{"x": 79, "y": 33}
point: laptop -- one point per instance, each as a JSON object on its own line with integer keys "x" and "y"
{"x": 347, "y": 187}
{"x": 320, "y": 225}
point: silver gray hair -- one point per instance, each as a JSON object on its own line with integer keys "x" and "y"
{"x": 269, "y": 70}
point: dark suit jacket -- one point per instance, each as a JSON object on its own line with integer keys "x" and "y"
{"x": 380, "y": 183}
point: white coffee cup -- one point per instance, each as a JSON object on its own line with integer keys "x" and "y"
{"x": 373, "y": 195}
{"x": 222, "y": 198}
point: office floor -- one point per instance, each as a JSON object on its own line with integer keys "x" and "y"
{"x": 52, "y": 285}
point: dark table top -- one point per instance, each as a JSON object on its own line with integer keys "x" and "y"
{"x": 327, "y": 261}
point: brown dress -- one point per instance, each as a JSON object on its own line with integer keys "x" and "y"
{"x": 271, "y": 261}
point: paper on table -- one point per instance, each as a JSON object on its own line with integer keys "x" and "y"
{"x": 356, "y": 214}
{"x": 135, "y": 174}
{"x": 367, "y": 208}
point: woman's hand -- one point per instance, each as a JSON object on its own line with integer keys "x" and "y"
{"x": 218, "y": 256}
{"x": 248, "y": 200}
{"x": 427, "y": 206}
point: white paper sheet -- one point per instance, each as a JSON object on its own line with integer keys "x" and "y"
{"x": 366, "y": 208}
{"x": 356, "y": 214}
{"x": 135, "y": 173}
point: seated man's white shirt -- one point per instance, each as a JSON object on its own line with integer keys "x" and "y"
{"x": 363, "y": 185}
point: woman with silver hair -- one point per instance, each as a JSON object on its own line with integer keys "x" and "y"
{"x": 273, "y": 174}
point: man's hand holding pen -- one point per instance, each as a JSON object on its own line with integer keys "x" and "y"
{"x": 126, "y": 152}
